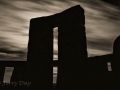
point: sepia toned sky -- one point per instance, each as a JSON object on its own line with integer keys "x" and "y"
{"x": 102, "y": 24}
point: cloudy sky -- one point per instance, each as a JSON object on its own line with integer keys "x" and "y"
{"x": 102, "y": 24}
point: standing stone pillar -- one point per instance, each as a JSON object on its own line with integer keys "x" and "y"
{"x": 72, "y": 49}
{"x": 116, "y": 63}
{"x": 39, "y": 69}
{"x": 116, "y": 54}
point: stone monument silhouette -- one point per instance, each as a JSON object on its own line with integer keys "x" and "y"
{"x": 72, "y": 50}
{"x": 75, "y": 70}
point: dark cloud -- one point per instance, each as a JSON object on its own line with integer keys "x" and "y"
{"x": 4, "y": 50}
{"x": 12, "y": 55}
{"x": 55, "y": 52}
{"x": 107, "y": 10}
{"x": 7, "y": 51}
{"x": 2, "y": 2}
{"x": 113, "y": 2}
{"x": 100, "y": 44}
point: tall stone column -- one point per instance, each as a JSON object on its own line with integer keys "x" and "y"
{"x": 116, "y": 54}
{"x": 116, "y": 62}
{"x": 39, "y": 69}
{"x": 72, "y": 49}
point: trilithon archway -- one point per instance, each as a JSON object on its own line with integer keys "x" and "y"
{"x": 72, "y": 50}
